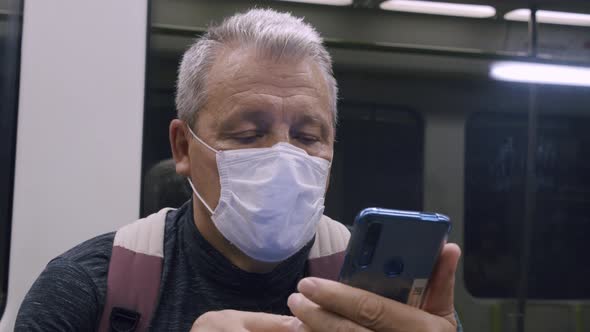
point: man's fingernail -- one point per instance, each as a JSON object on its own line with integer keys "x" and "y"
{"x": 307, "y": 287}
{"x": 294, "y": 300}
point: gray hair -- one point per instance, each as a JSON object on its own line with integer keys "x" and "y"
{"x": 274, "y": 34}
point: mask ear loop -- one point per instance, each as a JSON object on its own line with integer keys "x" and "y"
{"x": 200, "y": 140}
{"x": 189, "y": 180}
{"x": 199, "y": 196}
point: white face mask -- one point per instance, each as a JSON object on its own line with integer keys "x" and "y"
{"x": 271, "y": 199}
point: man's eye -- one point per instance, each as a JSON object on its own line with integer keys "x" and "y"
{"x": 307, "y": 139}
{"x": 248, "y": 137}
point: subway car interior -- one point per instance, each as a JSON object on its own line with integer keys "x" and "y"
{"x": 477, "y": 109}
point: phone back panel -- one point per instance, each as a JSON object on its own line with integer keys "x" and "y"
{"x": 405, "y": 247}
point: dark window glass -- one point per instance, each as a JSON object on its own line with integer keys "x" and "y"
{"x": 162, "y": 187}
{"x": 10, "y": 27}
{"x": 378, "y": 161}
{"x": 494, "y": 206}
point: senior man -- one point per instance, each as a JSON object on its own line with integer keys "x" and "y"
{"x": 256, "y": 102}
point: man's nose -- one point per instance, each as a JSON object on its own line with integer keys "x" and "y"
{"x": 280, "y": 134}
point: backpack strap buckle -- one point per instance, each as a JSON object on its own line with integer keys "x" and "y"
{"x": 124, "y": 320}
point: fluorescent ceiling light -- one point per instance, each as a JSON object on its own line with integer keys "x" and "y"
{"x": 540, "y": 73}
{"x": 439, "y": 8}
{"x": 550, "y": 17}
{"x": 325, "y": 2}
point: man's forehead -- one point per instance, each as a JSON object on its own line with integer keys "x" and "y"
{"x": 244, "y": 64}
{"x": 299, "y": 115}
{"x": 244, "y": 80}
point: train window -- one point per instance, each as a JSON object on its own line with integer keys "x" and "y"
{"x": 10, "y": 27}
{"x": 378, "y": 148}
{"x": 496, "y": 145}
{"x": 162, "y": 187}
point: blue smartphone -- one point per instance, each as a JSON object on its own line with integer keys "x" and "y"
{"x": 393, "y": 253}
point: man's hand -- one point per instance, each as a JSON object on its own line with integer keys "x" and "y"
{"x": 243, "y": 321}
{"x": 325, "y": 305}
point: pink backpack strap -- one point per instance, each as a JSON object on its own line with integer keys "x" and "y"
{"x": 327, "y": 253}
{"x": 135, "y": 270}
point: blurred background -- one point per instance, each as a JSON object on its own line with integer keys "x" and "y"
{"x": 476, "y": 109}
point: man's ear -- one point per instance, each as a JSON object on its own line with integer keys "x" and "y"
{"x": 180, "y": 147}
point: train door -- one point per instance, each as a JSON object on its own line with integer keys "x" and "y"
{"x": 78, "y": 134}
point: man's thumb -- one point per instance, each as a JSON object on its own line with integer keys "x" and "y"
{"x": 440, "y": 296}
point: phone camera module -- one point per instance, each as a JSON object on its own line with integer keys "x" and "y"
{"x": 370, "y": 243}
{"x": 394, "y": 267}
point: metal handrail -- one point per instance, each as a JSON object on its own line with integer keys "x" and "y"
{"x": 470, "y": 53}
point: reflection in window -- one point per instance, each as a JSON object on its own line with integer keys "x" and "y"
{"x": 494, "y": 206}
